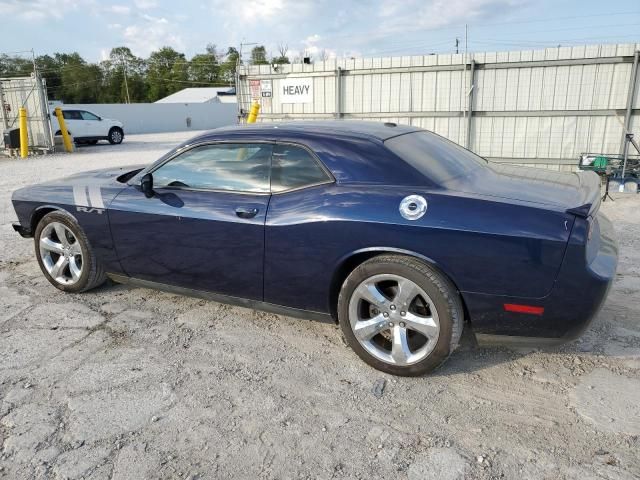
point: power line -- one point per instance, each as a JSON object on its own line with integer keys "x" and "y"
{"x": 212, "y": 84}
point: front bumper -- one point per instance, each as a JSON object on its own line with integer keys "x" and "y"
{"x": 24, "y": 232}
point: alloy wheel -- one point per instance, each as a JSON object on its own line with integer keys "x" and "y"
{"x": 394, "y": 319}
{"x": 61, "y": 253}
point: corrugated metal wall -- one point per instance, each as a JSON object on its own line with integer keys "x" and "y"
{"x": 538, "y": 107}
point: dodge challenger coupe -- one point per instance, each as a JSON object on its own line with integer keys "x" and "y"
{"x": 393, "y": 231}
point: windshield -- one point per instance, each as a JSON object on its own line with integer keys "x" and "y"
{"x": 437, "y": 158}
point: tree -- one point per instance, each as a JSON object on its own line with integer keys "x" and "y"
{"x": 229, "y": 66}
{"x": 205, "y": 67}
{"x": 80, "y": 81}
{"x": 259, "y": 55}
{"x": 50, "y": 69}
{"x": 122, "y": 62}
{"x": 283, "y": 49}
{"x": 15, "y": 66}
{"x": 167, "y": 72}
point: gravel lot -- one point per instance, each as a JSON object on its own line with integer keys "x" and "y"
{"x": 128, "y": 383}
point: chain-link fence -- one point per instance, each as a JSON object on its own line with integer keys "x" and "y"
{"x": 30, "y": 93}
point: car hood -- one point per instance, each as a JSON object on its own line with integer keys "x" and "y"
{"x": 93, "y": 189}
{"x": 102, "y": 176}
{"x": 112, "y": 120}
{"x": 555, "y": 190}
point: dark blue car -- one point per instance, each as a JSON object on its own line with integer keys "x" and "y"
{"x": 396, "y": 233}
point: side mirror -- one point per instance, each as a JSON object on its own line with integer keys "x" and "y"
{"x": 146, "y": 184}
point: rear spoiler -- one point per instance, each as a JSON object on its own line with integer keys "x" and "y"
{"x": 589, "y": 202}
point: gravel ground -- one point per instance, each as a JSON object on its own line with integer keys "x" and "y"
{"x": 128, "y": 383}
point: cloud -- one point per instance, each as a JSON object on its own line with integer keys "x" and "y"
{"x": 152, "y": 34}
{"x": 263, "y": 12}
{"x": 316, "y": 51}
{"x": 37, "y": 10}
{"x": 119, "y": 9}
{"x": 343, "y": 28}
{"x": 252, "y": 10}
{"x": 412, "y": 15}
{"x": 146, "y": 4}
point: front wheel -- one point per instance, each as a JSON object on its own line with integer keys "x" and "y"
{"x": 116, "y": 135}
{"x": 65, "y": 255}
{"x": 400, "y": 315}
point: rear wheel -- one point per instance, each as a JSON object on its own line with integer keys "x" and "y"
{"x": 65, "y": 255}
{"x": 400, "y": 315}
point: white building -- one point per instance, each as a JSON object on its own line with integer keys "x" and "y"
{"x": 202, "y": 95}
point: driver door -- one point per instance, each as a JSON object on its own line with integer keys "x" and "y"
{"x": 204, "y": 227}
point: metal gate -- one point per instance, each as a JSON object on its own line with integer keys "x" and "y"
{"x": 30, "y": 93}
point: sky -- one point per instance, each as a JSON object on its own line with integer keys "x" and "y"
{"x": 366, "y": 28}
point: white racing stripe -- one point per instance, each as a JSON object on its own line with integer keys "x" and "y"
{"x": 80, "y": 196}
{"x": 95, "y": 196}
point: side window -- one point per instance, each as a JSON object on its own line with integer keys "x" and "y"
{"x": 294, "y": 167}
{"x": 71, "y": 115}
{"x": 88, "y": 115}
{"x": 234, "y": 167}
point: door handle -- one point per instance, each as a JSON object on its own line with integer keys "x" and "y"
{"x": 246, "y": 212}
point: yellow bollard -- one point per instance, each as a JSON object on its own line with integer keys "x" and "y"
{"x": 253, "y": 113}
{"x": 24, "y": 136}
{"x": 66, "y": 138}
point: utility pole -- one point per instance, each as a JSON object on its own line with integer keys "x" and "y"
{"x": 466, "y": 39}
{"x": 457, "y": 43}
{"x": 124, "y": 71}
{"x": 35, "y": 68}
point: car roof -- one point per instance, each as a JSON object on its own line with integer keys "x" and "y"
{"x": 327, "y": 128}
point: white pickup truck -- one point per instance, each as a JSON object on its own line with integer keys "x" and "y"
{"x": 88, "y": 127}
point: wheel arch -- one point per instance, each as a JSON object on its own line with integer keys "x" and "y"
{"x": 349, "y": 262}
{"x": 39, "y": 213}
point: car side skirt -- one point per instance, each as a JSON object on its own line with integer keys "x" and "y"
{"x": 226, "y": 299}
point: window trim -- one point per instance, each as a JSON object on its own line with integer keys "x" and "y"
{"x": 73, "y": 119}
{"x": 186, "y": 148}
{"x": 330, "y": 178}
{"x": 135, "y": 181}
{"x": 97, "y": 119}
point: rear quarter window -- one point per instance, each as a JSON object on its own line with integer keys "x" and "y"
{"x": 437, "y": 158}
{"x": 293, "y": 167}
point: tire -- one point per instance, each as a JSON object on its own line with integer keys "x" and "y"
{"x": 116, "y": 135}
{"x": 75, "y": 247}
{"x": 431, "y": 318}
